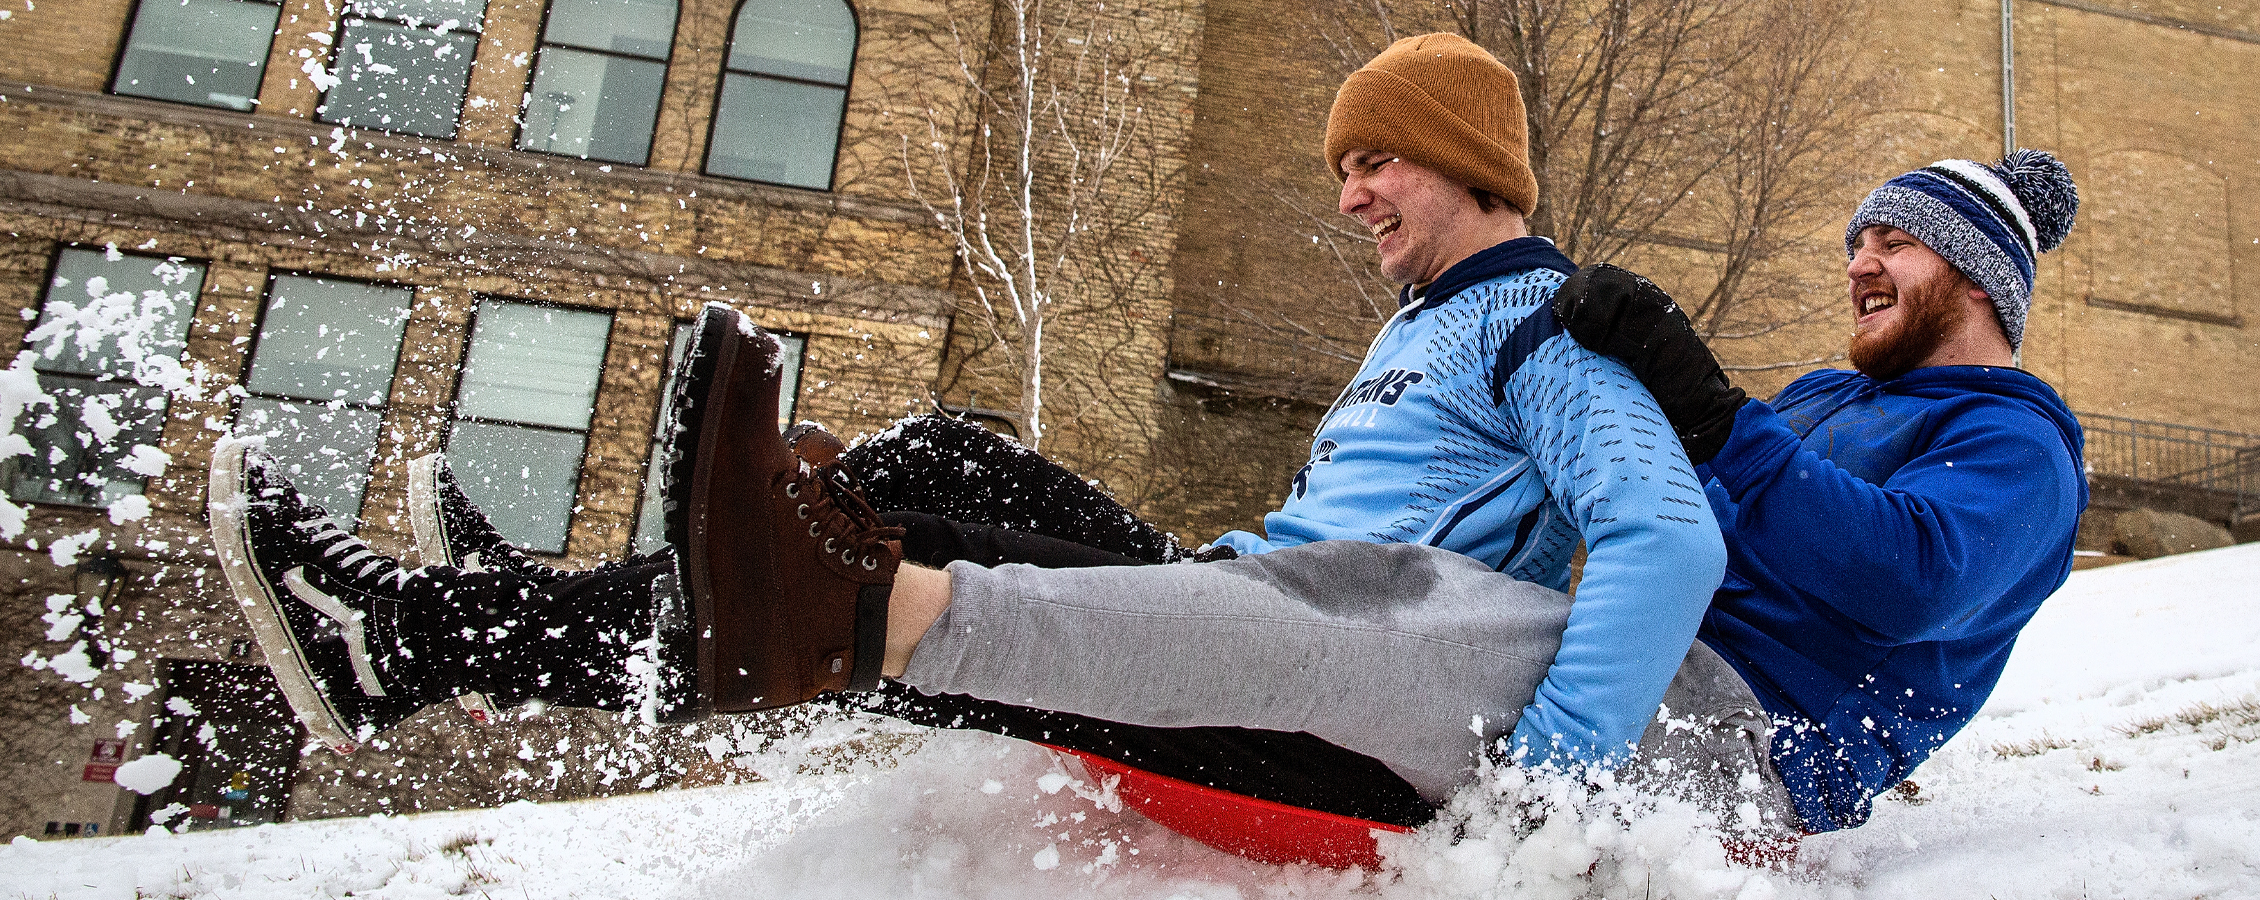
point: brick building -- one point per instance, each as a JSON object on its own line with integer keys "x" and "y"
{"x": 387, "y": 227}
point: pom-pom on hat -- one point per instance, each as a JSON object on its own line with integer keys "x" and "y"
{"x": 1990, "y": 222}
{"x": 1443, "y": 102}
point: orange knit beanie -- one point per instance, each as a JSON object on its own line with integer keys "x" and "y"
{"x": 1440, "y": 101}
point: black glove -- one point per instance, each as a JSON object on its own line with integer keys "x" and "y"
{"x": 1616, "y": 313}
{"x": 1216, "y": 553}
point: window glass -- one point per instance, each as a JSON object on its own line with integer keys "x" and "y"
{"x": 651, "y": 524}
{"x": 325, "y": 448}
{"x": 324, "y": 340}
{"x": 533, "y": 364}
{"x": 235, "y": 739}
{"x": 82, "y": 449}
{"x": 109, "y": 315}
{"x": 321, "y": 374}
{"x": 525, "y": 479}
{"x": 644, "y": 28}
{"x": 592, "y": 106}
{"x": 403, "y": 65}
{"x": 811, "y": 40}
{"x": 523, "y": 409}
{"x": 784, "y": 91}
{"x": 451, "y": 14}
{"x": 782, "y": 132}
{"x": 110, "y": 333}
{"x": 788, "y": 388}
{"x": 206, "y": 52}
{"x": 595, "y": 92}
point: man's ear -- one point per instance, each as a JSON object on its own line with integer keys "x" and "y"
{"x": 1976, "y": 293}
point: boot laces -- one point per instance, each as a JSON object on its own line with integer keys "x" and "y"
{"x": 830, "y": 501}
{"x": 351, "y": 554}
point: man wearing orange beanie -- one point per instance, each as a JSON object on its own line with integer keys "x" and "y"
{"x": 1447, "y": 104}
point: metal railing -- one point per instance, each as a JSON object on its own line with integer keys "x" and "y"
{"x": 2207, "y": 459}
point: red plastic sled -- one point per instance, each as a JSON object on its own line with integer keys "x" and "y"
{"x": 1245, "y": 826}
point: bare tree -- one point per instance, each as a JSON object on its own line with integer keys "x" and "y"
{"x": 1776, "y": 184}
{"x": 1056, "y": 193}
{"x": 1707, "y": 127}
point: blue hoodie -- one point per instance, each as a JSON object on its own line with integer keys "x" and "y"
{"x": 1886, "y": 541}
{"x": 1476, "y": 425}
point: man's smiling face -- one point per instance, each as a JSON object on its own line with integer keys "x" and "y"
{"x": 1906, "y": 302}
{"x": 1422, "y": 219}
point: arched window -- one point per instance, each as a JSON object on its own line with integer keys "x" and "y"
{"x": 784, "y": 92}
{"x": 595, "y": 91}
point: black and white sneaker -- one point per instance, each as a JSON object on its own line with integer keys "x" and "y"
{"x": 452, "y": 531}
{"x": 323, "y": 605}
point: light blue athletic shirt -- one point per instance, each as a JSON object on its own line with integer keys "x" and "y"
{"x": 1476, "y": 425}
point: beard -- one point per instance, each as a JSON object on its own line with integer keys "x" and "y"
{"x": 1926, "y": 318}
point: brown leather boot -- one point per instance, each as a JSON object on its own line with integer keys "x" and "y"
{"x": 788, "y": 570}
{"x": 813, "y": 443}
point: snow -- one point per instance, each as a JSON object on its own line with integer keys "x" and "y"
{"x": 19, "y": 391}
{"x": 2119, "y": 758}
{"x": 129, "y": 507}
{"x": 63, "y": 551}
{"x": 148, "y": 774}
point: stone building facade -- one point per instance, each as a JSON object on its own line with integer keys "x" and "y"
{"x": 339, "y": 156}
{"x": 578, "y": 269}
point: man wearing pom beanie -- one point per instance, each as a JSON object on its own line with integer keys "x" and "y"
{"x": 1890, "y": 529}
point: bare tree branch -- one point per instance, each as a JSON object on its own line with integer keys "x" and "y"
{"x": 1695, "y": 125}
{"x": 1048, "y": 186}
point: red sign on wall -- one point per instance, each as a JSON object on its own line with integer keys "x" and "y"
{"x": 102, "y": 762}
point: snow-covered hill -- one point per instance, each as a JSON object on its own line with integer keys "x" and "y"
{"x": 2120, "y": 758}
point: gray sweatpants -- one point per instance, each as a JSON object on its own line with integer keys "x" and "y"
{"x": 1414, "y": 656}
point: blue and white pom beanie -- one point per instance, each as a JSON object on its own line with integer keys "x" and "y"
{"x": 1990, "y": 222}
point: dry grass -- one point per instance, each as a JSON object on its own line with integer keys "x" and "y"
{"x": 2219, "y": 725}
{"x": 475, "y": 877}
{"x": 2045, "y": 743}
{"x": 461, "y": 844}
{"x": 2234, "y": 722}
